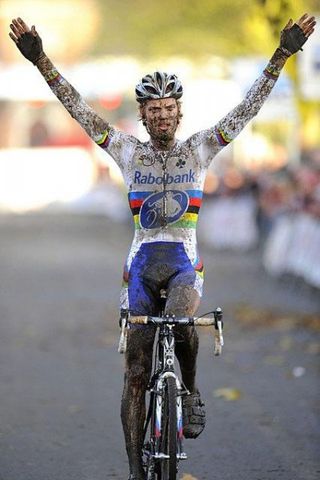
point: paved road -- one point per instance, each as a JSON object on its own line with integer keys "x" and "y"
{"x": 61, "y": 377}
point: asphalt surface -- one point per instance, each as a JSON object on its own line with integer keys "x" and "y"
{"x": 61, "y": 375}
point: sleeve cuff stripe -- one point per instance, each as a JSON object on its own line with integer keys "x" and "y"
{"x": 104, "y": 139}
{"x": 222, "y": 137}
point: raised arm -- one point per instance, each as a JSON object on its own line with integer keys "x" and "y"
{"x": 30, "y": 45}
{"x": 292, "y": 38}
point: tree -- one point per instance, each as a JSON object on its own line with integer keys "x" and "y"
{"x": 194, "y": 28}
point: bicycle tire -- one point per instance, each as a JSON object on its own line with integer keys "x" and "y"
{"x": 149, "y": 462}
{"x": 168, "y": 467}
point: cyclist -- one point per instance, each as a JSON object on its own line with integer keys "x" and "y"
{"x": 165, "y": 178}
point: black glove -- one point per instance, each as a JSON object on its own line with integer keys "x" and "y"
{"x": 292, "y": 39}
{"x": 30, "y": 46}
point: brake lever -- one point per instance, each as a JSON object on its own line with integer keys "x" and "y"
{"x": 218, "y": 337}
{"x": 123, "y": 322}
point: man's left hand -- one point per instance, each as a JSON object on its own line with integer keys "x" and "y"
{"x": 294, "y": 35}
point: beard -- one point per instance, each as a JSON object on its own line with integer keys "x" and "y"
{"x": 160, "y": 135}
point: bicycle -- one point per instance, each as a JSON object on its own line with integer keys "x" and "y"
{"x": 163, "y": 429}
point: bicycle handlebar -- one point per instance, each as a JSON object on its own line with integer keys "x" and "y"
{"x": 216, "y": 320}
{"x": 147, "y": 320}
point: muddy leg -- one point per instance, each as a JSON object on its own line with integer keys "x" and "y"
{"x": 184, "y": 300}
{"x": 133, "y": 410}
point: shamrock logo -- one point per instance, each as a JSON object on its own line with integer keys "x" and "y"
{"x": 180, "y": 163}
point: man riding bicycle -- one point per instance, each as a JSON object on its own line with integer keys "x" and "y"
{"x": 165, "y": 178}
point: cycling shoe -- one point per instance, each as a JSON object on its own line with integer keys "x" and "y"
{"x": 194, "y": 415}
{"x": 133, "y": 477}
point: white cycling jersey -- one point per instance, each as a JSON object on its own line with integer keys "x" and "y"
{"x": 164, "y": 187}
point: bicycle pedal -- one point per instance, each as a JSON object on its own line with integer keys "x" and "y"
{"x": 182, "y": 456}
{"x": 161, "y": 456}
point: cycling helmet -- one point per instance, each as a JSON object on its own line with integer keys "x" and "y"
{"x": 158, "y": 85}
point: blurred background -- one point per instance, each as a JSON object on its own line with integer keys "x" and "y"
{"x": 265, "y": 185}
{"x": 65, "y": 230}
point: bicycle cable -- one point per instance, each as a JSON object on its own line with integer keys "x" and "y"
{"x": 205, "y": 314}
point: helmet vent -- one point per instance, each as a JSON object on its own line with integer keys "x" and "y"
{"x": 158, "y": 85}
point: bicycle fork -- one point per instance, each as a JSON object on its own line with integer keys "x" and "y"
{"x": 158, "y": 391}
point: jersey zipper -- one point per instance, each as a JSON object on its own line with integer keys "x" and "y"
{"x": 164, "y": 219}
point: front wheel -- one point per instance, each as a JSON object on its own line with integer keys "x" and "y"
{"x": 168, "y": 443}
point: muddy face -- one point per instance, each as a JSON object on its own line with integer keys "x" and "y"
{"x": 161, "y": 118}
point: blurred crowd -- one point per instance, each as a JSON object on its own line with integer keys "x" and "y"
{"x": 279, "y": 211}
{"x": 290, "y": 190}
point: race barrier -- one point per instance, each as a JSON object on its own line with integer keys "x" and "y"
{"x": 229, "y": 223}
{"x": 293, "y": 247}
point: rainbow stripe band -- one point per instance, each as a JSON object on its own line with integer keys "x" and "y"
{"x": 199, "y": 268}
{"x": 125, "y": 278}
{"x": 189, "y": 218}
{"x": 104, "y": 139}
{"x": 53, "y": 77}
{"x": 135, "y": 201}
{"x": 271, "y": 71}
{"x": 222, "y": 137}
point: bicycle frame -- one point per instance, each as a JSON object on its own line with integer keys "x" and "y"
{"x": 163, "y": 368}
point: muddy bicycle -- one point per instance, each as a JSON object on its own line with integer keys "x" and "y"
{"x": 163, "y": 430}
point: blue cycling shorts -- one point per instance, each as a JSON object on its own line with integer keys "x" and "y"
{"x": 156, "y": 266}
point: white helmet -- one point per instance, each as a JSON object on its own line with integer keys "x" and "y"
{"x": 158, "y": 85}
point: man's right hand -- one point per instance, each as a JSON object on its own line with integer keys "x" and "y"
{"x": 28, "y": 41}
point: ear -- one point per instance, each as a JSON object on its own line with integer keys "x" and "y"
{"x": 180, "y": 114}
{"x": 142, "y": 109}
